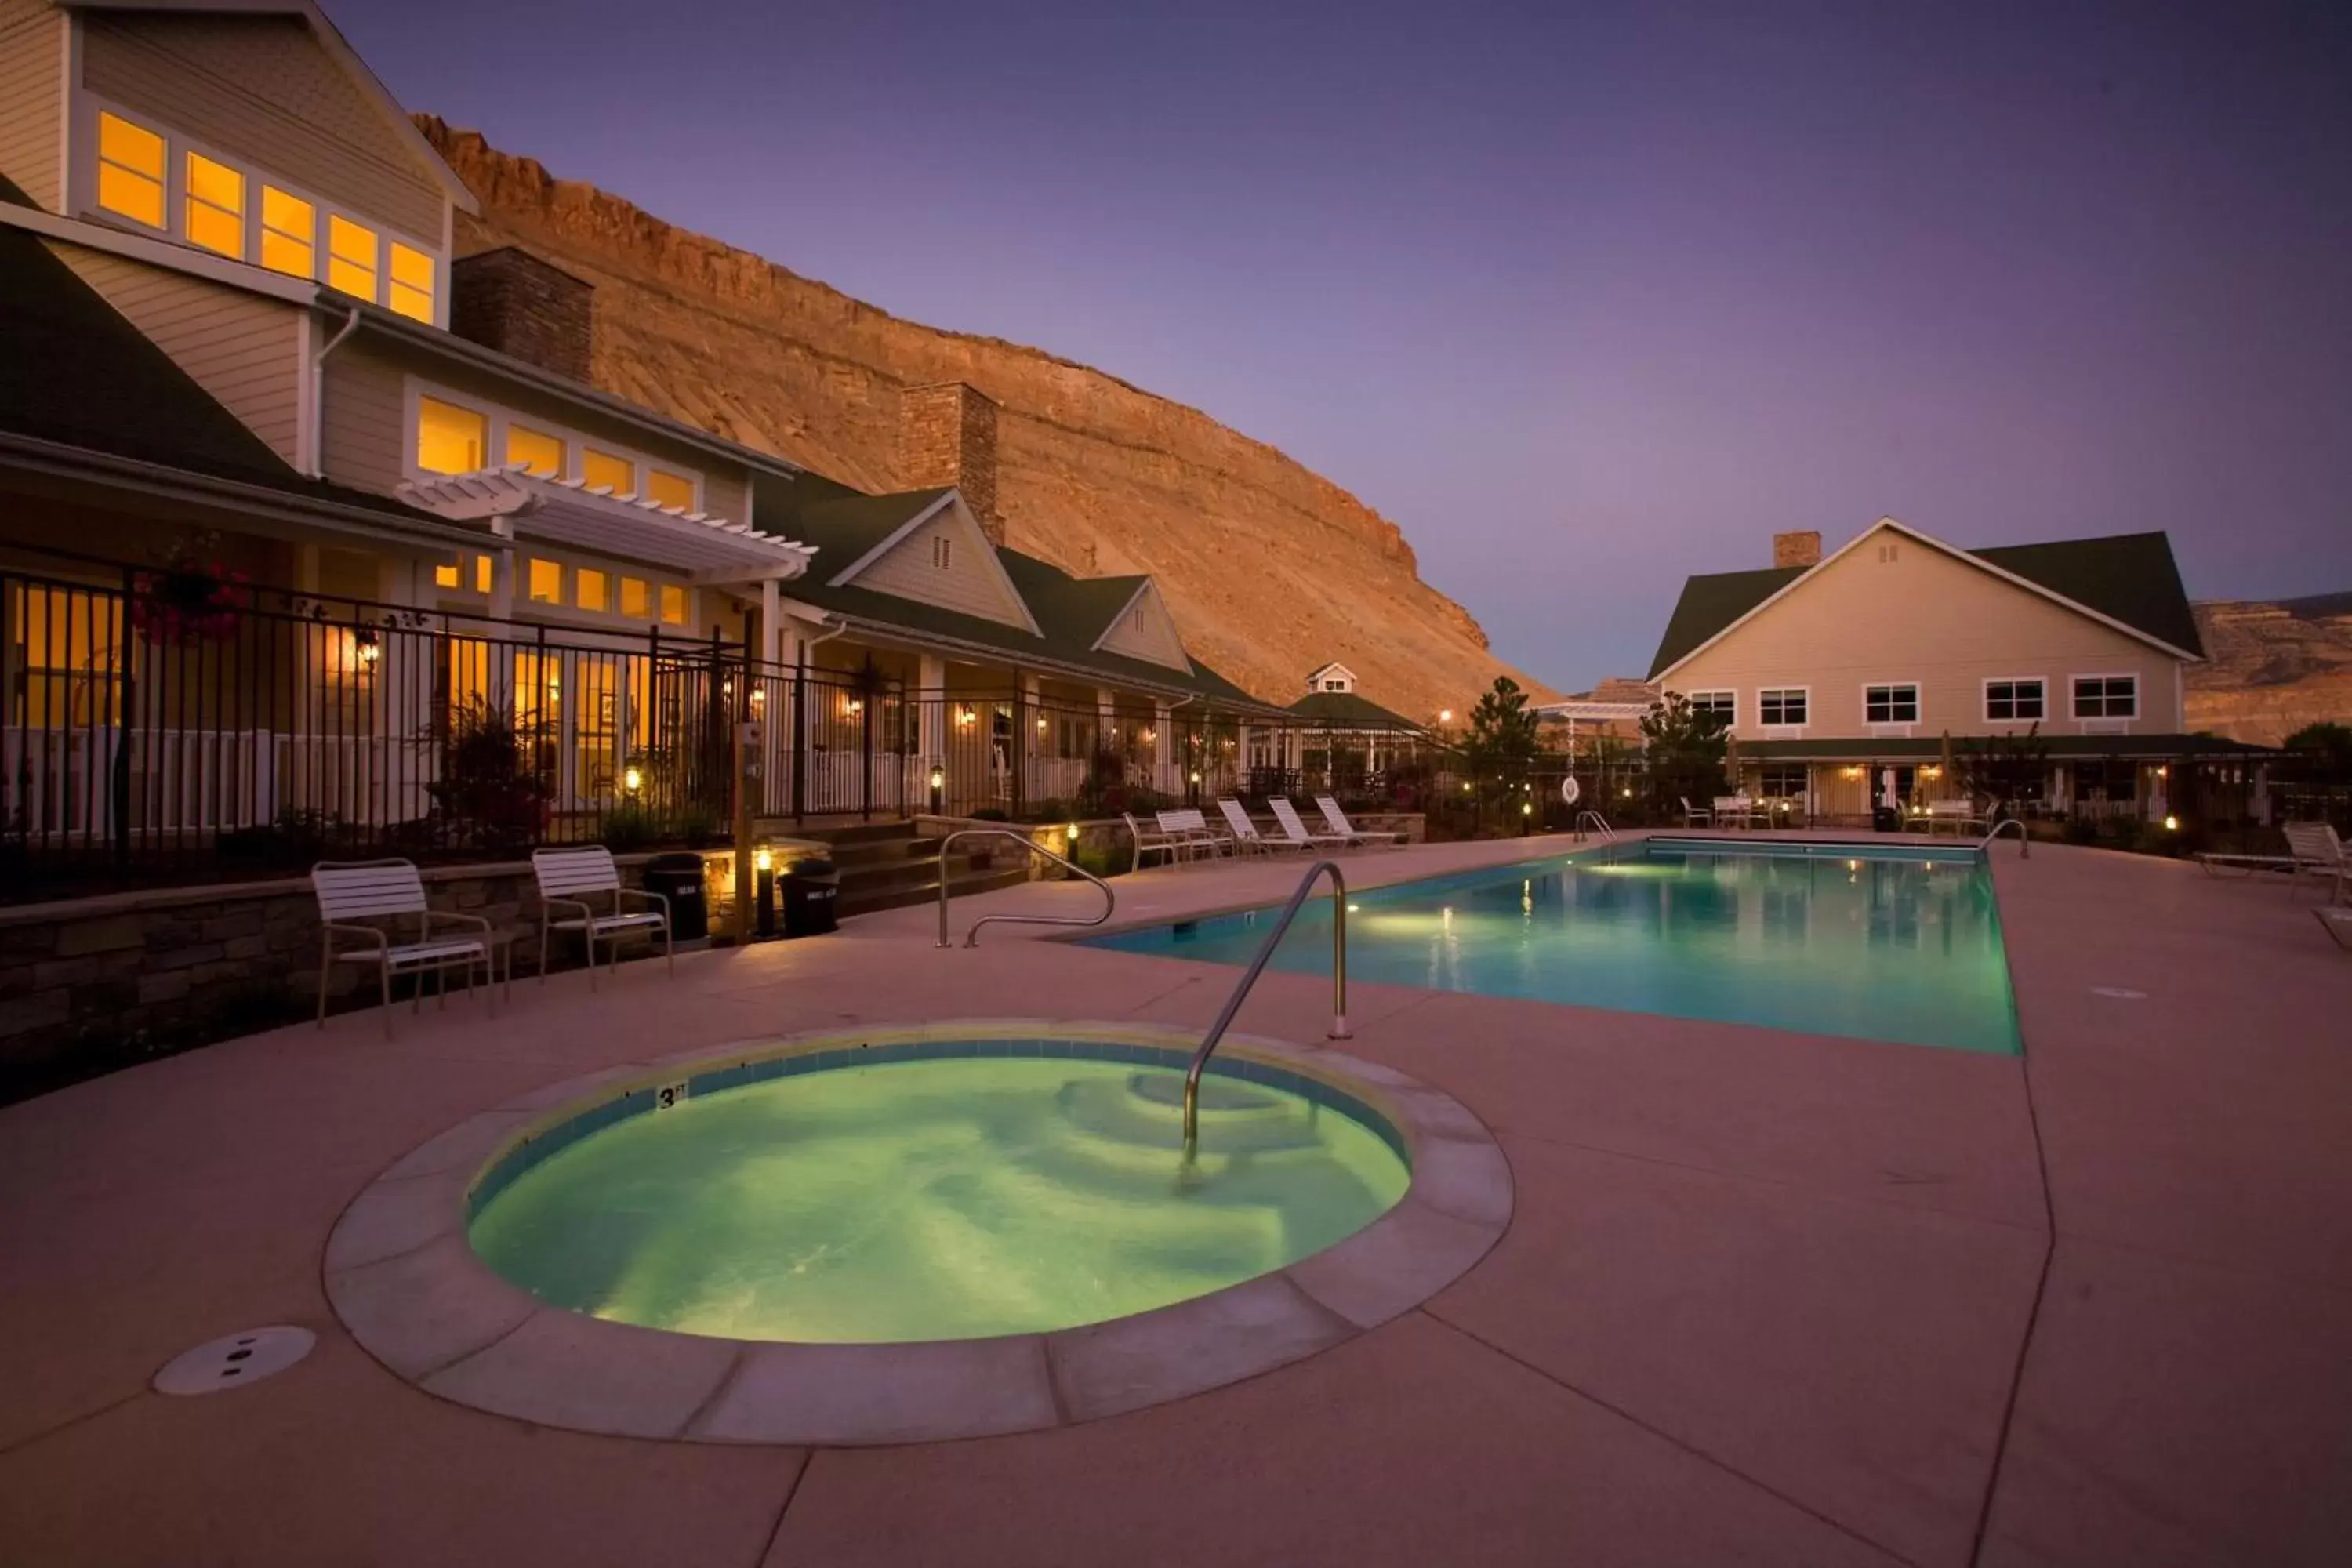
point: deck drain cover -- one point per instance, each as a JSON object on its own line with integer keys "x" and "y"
{"x": 2118, "y": 992}
{"x": 235, "y": 1361}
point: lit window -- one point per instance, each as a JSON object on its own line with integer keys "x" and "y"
{"x": 129, "y": 170}
{"x": 593, "y": 590}
{"x": 412, "y": 283}
{"x": 215, "y": 206}
{"x": 450, "y": 439}
{"x": 1723, "y": 705}
{"x": 637, "y": 600}
{"x": 290, "y": 233}
{"x": 453, "y": 574}
{"x": 539, "y": 453}
{"x": 601, "y": 470}
{"x": 2013, "y": 699}
{"x": 482, "y": 570}
{"x": 669, "y": 490}
{"x": 447, "y": 575}
{"x": 546, "y": 583}
{"x": 673, "y": 604}
{"x": 2106, "y": 696}
{"x": 1786, "y": 706}
{"x": 1890, "y": 704}
{"x": 352, "y": 260}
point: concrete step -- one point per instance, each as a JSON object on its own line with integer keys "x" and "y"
{"x": 871, "y": 900}
{"x": 876, "y": 876}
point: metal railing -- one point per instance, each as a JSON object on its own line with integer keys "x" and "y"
{"x": 2024, "y": 839}
{"x": 971, "y": 937}
{"x": 1598, "y": 824}
{"x": 1256, "y": 967}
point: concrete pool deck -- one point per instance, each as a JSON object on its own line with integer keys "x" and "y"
{"x": 1765, "y": 1296}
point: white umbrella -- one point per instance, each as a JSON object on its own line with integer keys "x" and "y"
{"x": 1886, "y": 795}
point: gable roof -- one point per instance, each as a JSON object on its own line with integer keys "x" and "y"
{"x": 2129, "y": 579}
{"x": 917, "y": 510}
{"x": 339, "y": 49}
{"x": 1318, "y": 673}
{"x": 1347, "y": 707}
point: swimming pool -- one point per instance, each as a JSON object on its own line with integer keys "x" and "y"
{"x": 1858, "y": 939}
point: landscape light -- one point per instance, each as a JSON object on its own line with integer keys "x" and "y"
{"x": 1526, "y": 808}
{"x": 763, "y": 859}
{"x": 632, "y": 780}
{"x": 2172, "y": 825}
{"x": 939, "y": 778}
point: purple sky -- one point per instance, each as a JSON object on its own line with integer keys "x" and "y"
{"x": 1585, "y": 296}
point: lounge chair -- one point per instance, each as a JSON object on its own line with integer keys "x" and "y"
{"x": 571, "y": 879}
{"x": 1734, "y": 808}
{"x": 1696, "y": 816}
{"x": 2318, "y": 851}
{"x": 1286, "y": 814}
{"x": 1149, "y": 841}
{"x": 1247, "y": 836}
{"x": 1193, "y": 829}
{"x": 2338, "y": 923}
{"x": 1958, "y": 814}
{"x": 1337, "y": 822}
{"x": 352, "y": 892}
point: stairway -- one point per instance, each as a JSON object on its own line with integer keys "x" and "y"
{"x": 885, "y": 865}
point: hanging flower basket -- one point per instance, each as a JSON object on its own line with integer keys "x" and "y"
{"x": 186, "y": 605}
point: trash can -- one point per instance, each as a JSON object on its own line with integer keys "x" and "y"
{"x": 1885, "y": 819}
{"x": 809, "y": 889}
{"x": 678, "y": 878}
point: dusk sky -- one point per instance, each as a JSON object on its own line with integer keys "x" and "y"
{"x": 1587, "y": 298}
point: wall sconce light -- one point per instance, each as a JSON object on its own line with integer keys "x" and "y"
{"x": 2161, "y": 770}
{"x": 1041, "y": 724}
{"x": 1526, "y": 808}
{"x": 1627, "y": 792}
{"x": 853, "y": 706}
{"x": 1466, "y": 787}
{"x": 1196, "y": 776}
{"x": 1150, "y": 735}
{"x": 369, "y": 647}
{"x": 632, "y": 780}
{"x": 758, "y": 696}
{"x": 965, "y": 716}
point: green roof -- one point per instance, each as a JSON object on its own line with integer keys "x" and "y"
{"x": 1071, "y": 612}
{"x": 1347, "y": 707}
{"x": 78, "y": 375}
{"x": 2126, "y": 577}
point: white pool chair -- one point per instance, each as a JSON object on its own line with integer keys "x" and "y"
{"x": 351, "y": 892}
{"x": 1286, "y": 816}
{"x": 1337, "y": 821}
{"x": 1192, "y": 829}
{"x": 573, "y": 880}
{"x": 1696, "y": 816}
{"x": 1246, "y": 837}
{"x": 1151, "y": 841}
{"x": 2320, "y": 853}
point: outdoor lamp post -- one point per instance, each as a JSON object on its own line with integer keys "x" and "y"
{"x": 631, "y": 779}
{"x": 763, "y": 862}
{"x": 938, "y": 786}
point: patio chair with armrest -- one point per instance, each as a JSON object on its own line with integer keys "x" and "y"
{"x": 573, "y": 880}
{"x": 1193, "y": 829}
{"x": 351, "y": 893}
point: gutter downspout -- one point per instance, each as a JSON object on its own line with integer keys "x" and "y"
{"x": 318, "y": 454}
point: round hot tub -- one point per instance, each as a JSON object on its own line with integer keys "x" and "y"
{"x": 908, "y": 1234}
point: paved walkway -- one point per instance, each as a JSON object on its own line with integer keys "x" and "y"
{"x": 1767, "y": 1297}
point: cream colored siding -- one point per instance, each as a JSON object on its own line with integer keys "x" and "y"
{"x": 261, "y": 89}
{"x": 1928, "y": 618}
{"x": 968, "y": 583}
{"x": 726, "y": 493}
{"x": 1155, "y": 641}
{"x": 244, "y": 349}
{"x": 32, "y": 98}
{"x": 362, "y": 423}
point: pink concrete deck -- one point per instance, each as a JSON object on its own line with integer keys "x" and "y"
{"x": 1767, "y": 1297}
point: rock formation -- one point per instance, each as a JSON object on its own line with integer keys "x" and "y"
{"x": 1269, "y": 569}
{"x": 2273, "y": 667}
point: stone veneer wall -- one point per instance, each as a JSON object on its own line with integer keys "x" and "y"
{"x": 947, "y": 436}
{"x": 510, "y": 300}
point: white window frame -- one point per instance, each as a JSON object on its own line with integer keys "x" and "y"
{"x": 565, "y": 610}
{"x": 1731, "y": 692}
{"x": 1803, "y": 693}
{"x": 2012, "y": 682}
{"x": 2073, "y": 706}
{"x": 177, "y": 145}
{"x": 498, "y": 417}
{"x": 1918, "y": 708}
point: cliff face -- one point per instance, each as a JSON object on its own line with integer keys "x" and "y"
{"x": 1269, "y": 569}
{"x": 2274, "y": 667}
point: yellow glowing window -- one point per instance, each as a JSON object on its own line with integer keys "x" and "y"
{"x": 129, "y": 170}
{"x": 352, "y": 260}
{"x": 481, "y": 573}
{"x": 412, "y": 282}
{"x": 673, "y": 604}
{"x": 450, "y": 439}
{"x": 594, "y": 590}
{"x": 541, "y": 454}
{"x": 452, "y": 574}
{"x": 598, "y": 469}
{"x": 449, "y": 574}
{"x": 546, "y": 583}
{"x": 635, "y": 599}
{"x": 669, "y": 490}
{"x": 215, "y": 206}
{"x": 290, "y": 233}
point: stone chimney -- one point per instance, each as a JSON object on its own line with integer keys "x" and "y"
{"x": 510, "y": 300}
{"x": 1802, "y": 549}
{"x": 947, "y": 436}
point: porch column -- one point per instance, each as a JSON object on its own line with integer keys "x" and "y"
{"x": 1105, "y": 722}
{"x": 931, "y": 697}
{"x": 500, "y": 682}
{"x": 772, "y": 622}
{"x": 1239, "y": 780}
{"x": 1163, "y": 747}
{"x": 1029, "y": 735}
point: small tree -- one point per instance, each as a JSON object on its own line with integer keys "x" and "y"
{"x": 1502, "y": 743}
{"x": 2323, "y": 752}
{"x": 1685, "y": 751}
{"x": 2002, "y": 769}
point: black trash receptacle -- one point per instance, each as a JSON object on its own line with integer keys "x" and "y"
{"x": 678, "y": 878}
{"x": 809, "y": 889}
{"x": 1885, "y": 819}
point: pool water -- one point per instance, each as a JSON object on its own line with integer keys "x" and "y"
{"x": 949, "y": 1197}
{"x": 1834, "y": 939}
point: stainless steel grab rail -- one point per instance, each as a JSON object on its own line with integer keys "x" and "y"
{"x": 1257, "y": 966}
{"x": 2024, "y": 841}
{"x": 1608, "y": 834}
{"x": 971, "y": 937}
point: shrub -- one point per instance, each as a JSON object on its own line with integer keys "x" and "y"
{"x": 488, "y": 794}
{"x": 630, "y": 827}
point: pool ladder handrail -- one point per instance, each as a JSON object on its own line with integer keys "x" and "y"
{"x": 1600, "y": 823}
{"x": 971, "y": 937}
{"x": 2024, "y": 839}
{"x": 1257, "y": 966}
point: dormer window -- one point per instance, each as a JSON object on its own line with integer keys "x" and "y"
{"x": 351, "y": 257}
{"x": 450, "y": 439}
{"x": 129, "y": 170}
{"x": 216, "y": 208}
{"x": 290, "y": 233}
{"x": 453, "y": 433}
{"x": 1334, "y": 685}
{"x": 601, "y": 470}
{"x": 412, "y": 283}
{"x": 665, "y": 488}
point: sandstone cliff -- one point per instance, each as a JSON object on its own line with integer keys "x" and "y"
{"x": 1270, "y": 569}
{"x": 2273, "y": 667}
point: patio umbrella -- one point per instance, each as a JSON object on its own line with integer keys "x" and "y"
{"x": 1731, "y": 759}
{"x": 1886, "y": 797}
{"x": 1945, "y": 776}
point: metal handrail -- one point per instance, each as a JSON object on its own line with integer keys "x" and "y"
{"x": 971, "y": 937}
{"x": 2024, "y": 841}
{"x": 1257, "y": 966}
{"x": 1607, "y": 833}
